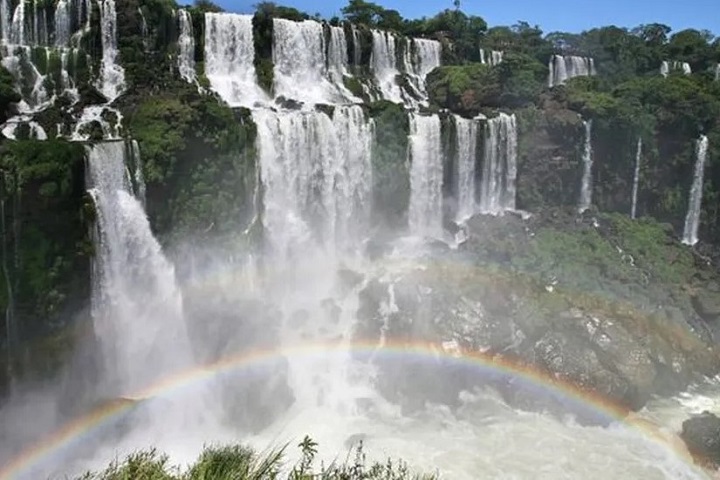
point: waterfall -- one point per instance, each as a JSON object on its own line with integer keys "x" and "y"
{"x": 186, "y": 47}
{"x": 384, "y": 65}
{"x": 316, "y": 175}
{"x": 563, "y": 68}
{"x": 494, "y": 58}
{"x": 636, "y": 178}
{"x": 668, "y": 66}
{"x": 426, "y": 175}
{"x": 301, "y": 70}
{"x": 466, "y": 158}
{"x": 499, "y": 171}
{"x": 136, "y": 305}
{"x": 422, "y": 57}
{"x": 62, "y": 23}
{"x": 112, "y": 74}
{"x": 229, "y": 59}
{"x": 717, "y": 72}
{"x": 337, "y": 61}
{"x": 5, "y": 20}
{"x": 586, "y": 188}
{"x": 357, "y": 49}
{"x": 17, "y": 29}
{"x": 692, "y": 219}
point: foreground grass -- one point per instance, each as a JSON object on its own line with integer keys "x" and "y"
{"x": 238, "y": 462}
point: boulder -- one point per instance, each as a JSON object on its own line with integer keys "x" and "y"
{"x": 701, "y": 434}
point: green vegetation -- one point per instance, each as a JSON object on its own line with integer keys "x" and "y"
{"x": 242, "y": 463}
{"x": 45, "y": 248}
{"x": 199, "y": 161}
{"x": 391, "y": 182}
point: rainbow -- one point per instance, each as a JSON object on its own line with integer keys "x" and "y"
{"x": 86, "y": 425}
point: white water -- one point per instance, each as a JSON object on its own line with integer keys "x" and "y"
{"x": 5, "y": 20}
{"x": 62, "y": 23}
{"x": 186, "y": 47}
{"x": 337, "y": 56}
{"x": 491, "y": 57}
{"x": 563, "y": 68}
{"x": 112, "y": 75}
{"x": 229, "y": 57}
{"x": 426, "y": 176}
{"x": 636, "y": 179}
{"x": 316, "y": 176}
{"x": 136, "y": 306}
{"x": 499, "y": 172}
{"x": 421, "y": 57}
{"x": 303, "y": 72}
{"x": 668, "y": 66}
{"x": 692, "y": 219}
{"x": 384, "y": 66}
{"x": 586, "y": 187}
{"x": 466, "y": 150}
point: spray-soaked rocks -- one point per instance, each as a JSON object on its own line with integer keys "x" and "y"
{"x": 701, "y": 434}
{"x": 463, "y": 303}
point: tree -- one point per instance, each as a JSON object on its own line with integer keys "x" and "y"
{"x": 360, "y": 11}
{"x": 456, "y": 3}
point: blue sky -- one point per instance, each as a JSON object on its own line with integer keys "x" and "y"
{"x": 551, "y": 15}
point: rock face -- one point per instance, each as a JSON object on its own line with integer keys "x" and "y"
{"x": 514, "y": 290}
{"x": 702, "y": 436}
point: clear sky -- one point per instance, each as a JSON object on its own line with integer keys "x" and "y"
{"x": 551, "y": 15}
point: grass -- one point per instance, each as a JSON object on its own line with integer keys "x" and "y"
{"x": 237, "y": 462}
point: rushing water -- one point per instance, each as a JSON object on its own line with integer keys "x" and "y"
{"x": 563, "y": 68}
{"x": 692, "y": 219}
{"x": 229, "y": 59}
{"x": 112, "y": 75}
{"x": 586, "y": 182}
{"x": 186, "y": 47}
{"x": 497, "y": 192}
{"x": 426, "y": 175}
{"x": 636, "y": 179}
{"x": 466, "y": 152}
{"x": 137, "y": 307}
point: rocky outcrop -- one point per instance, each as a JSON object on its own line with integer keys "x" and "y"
{"x": 701, "y": 434}
{"x": 535, "y": 293}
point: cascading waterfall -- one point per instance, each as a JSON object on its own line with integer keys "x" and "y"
{"x": 563, "y": 68}
{"x": 466, "y": 152}
{"x": 692, "y": 219}
{"x": 636, "y": 178}
{"x": 422, "y": 58}
{"x": 229, "y": 59}
{"x": 499, "y": 171}
{"x": 17, "y": 28}
{"x": 426, "y": 175}
{"x": 112, "y": 75}
{"x": 316, "y": 175}
{"x": 384, "y": 65}
{"x": 316, "y": 183}
{"x": 337, "y": 56}
{"x": 62, "y": 23}
{"x": 495, "y": 57}
{"x": 586, "y": 188}
{"x": 136, "y": 305}
{"x": 5, "y": 20}
{"x": 668, "y": 66}
{"x": 357, "y": 50}
{"x": 299, "y": 58}
{"x": 186, "y": 47}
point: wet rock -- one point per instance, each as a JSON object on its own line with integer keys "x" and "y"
{"x": 701, "y": 434}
